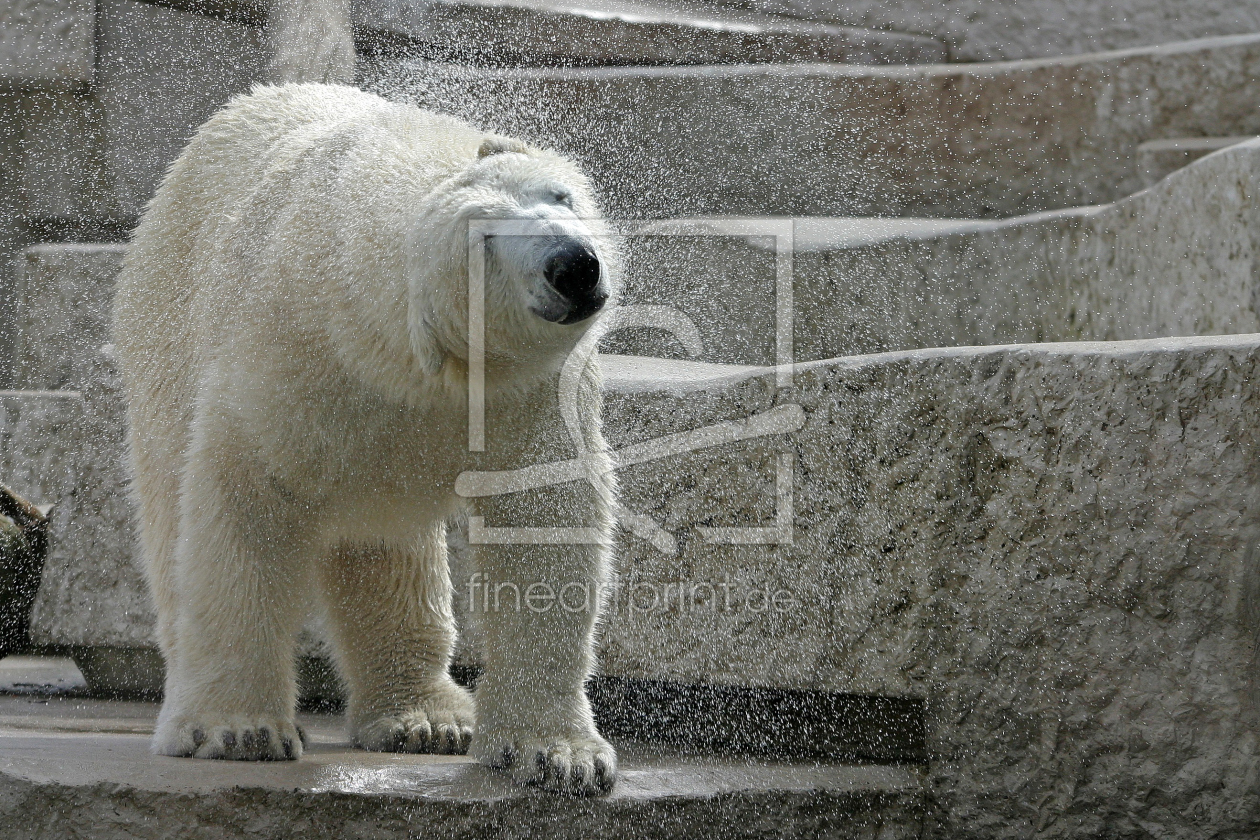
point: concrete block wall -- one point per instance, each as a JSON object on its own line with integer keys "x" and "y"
{"x": 97, "y": 99}
{"x": 1176, "y": 259}
{"x": 992, "y": 30}
{"x": 954, "y": 140}
{"x": 46, "y": 42}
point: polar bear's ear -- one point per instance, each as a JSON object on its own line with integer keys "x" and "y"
{"x": 496, "y": 145}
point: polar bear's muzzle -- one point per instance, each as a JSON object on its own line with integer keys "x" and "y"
{"x": 574, "y": 274}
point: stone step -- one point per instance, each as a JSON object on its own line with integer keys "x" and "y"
{"x": 41, "y": 676}
{"x": 71, "y": 764}
{"x": 100, "y": 154}
{"x": 1176, "y": 259}
{"x": 804, "y": 139}
{"x": 47, "y": 43}
{"x": 793, "y": 725}
{"x": 1158, "y": 158}
{"x": 977, "y": 30}
{"x": 159, "y": 74}
{"x": 1021, "y": 536}
{"x": 1171, "y": 260}
{"x": 599, "y": 32}
{"x": 987, "y": 139}
{"x": 625, "y": 32}
{"x": 1052, "y": 545}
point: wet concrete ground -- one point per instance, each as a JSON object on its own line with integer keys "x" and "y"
{"x": 72, "y": 766}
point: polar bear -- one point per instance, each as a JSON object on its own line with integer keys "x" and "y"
{"x": 291, "y": 324}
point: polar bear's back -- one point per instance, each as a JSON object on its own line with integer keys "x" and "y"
{"x": 246, "y": 159}
{"x": 271, "y": 181}
{"x": 258, "y": 230}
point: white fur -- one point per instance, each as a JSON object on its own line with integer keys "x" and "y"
{"x": 291, "y": 324}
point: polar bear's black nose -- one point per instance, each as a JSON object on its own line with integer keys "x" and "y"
{"x": 573, "y": 271}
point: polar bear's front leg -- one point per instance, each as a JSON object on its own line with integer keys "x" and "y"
{"x": 392, "y": 627}
{"x": 538, "y": 606}
{"x": 241, "y": 570}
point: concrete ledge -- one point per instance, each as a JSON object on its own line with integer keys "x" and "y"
{"x": 63, "y": 779}
{"x": 1158, "y": 158}
{"x": 827, "y": 139}
{"x": 1176, "y": 259}
{"x": 47, "y": 42}
{"x": 624, "y": 32}
{"x": 988, "y": 30}
{"x": 40, "y": 676}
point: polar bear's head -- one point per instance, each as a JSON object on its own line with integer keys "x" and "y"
{"x": 550, "y": 266}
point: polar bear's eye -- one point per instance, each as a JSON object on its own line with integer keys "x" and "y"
{"x": 562, "y": 197}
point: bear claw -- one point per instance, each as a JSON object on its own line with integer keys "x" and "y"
{"x": 238, "y": 740}
{"x": 442, "y": 723}
{"x": 578, "y": 767}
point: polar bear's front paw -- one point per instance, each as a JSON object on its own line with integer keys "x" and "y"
{"x": 580, "y": 766}
{"x": 441, "y": 723}
{"x": 236, "y": 738}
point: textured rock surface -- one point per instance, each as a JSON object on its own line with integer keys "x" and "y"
{"x": 987, "y": 30}
{"x": 46, "y": 42}
{"x": 939, "y": 140}
{"x": 1177, "y": 259}
{"x": 36, "y": 442}
{"x": 1159, "y": 158}
{"x": 62, "y": 297}
{"x": 602, "y": 32}
{"x": 1054, "y": 545}
{"x": 91, "y": 592}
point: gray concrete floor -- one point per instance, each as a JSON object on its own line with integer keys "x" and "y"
{"x": 78, "y": 741}
{"x": 79, "y": 768}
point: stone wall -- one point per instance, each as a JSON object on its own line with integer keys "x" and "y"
{"x": 46, "y": 41}
{"x": 1176, "y": 259}
{"x": 989, "y": 30}
{"x": 956, "y": 140}
{"x": 1054, "y": 545}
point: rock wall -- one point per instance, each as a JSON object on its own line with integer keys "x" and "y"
{"x": 989, "y": 30}
{"x": 949, "y": 140}
{"x": 1176, "y": 259}
{"x": 1054, "y": 545}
